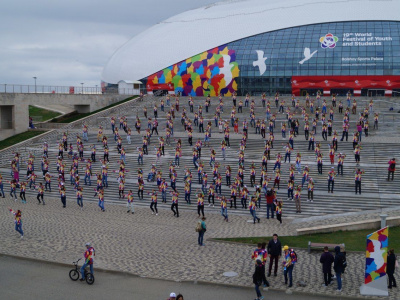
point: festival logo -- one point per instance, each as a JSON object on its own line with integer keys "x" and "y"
{"x": 328, "y": 41}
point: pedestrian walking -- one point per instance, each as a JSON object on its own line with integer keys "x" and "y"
{"x": 270, "y": 203}
{"x": 252, "y": 207}
{"x": 288, "y": 264}
{"x": 357, "y": 180}
{"x": 264, "y": 254}
{"x": 274, "y": 250}
{"x": 331, "y": 180}
{"x": 327, "y": 260}
{"x": 260, "y": 254}
{"x": 339, "y": 266}
{"x": 224, "y": 208}
{"x": 200, "y": 203}
{"x": 174, "y": 205}
{"x": 79, "y": 196}
{"x": 392, "y": 168}
{"x": 279, "y": 205}
{"x": 129, "y": 204}
{"x": 257, "y": 279}
{"x": 100, "y": 195}
{"x": 13, "y": 188}
{"x": 2, "y": 186}
{"x": 63, "y": 194}
{"x": 40, "y": 189}
{"x": 201, "y": 228}
{"x": 392, "y": 264}
{"x": 22, "y": 192}
{"x": 297, "y": 199}
{"x": 18, "y": 221}
{"x": 153, "y": 205}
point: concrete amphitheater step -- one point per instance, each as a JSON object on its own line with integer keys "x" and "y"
{"x": 377, "y": 192}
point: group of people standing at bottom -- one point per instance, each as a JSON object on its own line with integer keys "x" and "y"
{"x": 274, "y": 251}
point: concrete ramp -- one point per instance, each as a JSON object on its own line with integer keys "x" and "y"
{"x": 14, "y": 108}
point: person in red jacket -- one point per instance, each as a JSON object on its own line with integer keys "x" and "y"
{"x": 392, "y": 168}
{"x": 270, "y": 203}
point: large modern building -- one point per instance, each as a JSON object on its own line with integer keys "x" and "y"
{"x": 256, "y": 46}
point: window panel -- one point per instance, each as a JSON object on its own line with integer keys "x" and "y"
{"x": 285, "y": 49}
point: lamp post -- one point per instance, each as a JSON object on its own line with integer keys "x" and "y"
{"x": 35, "y": 82}
{"x": 96, "y": 89}
{"x": 82, "y": 87}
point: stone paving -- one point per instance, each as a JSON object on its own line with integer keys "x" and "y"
{"x": 160, "y": 246}
{"x": 166, "y": 247}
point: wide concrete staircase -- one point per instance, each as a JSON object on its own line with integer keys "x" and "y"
{"x": 376, "y": 191}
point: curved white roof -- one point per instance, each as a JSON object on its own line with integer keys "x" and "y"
{"x": 198, "y": 30}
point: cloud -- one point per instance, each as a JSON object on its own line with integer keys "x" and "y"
{"x": 69, "y": 42}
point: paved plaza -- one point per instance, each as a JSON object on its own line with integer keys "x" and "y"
{"x": 165, "y": 247}
{"x": 162, "y": 246}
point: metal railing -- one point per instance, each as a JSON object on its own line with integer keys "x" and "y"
{"x": 123, "y": 91}
{"x": 93, "y": 121}
{"x": 50, "y": 89}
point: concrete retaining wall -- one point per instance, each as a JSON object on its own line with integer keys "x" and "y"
{"x": 20, "y": 106}
{"x": 374, "y": 224}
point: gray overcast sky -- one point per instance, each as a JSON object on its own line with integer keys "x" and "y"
{"x": 69, "y": 42}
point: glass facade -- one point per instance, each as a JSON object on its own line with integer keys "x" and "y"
{"x": 267, "y": 62}
{"x": 362, "y": 48}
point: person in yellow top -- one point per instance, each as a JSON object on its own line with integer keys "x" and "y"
{"x": 278, "y": 210}
{"x": 18, "y": 221}
{"x": 130, "y": 202}
{"x": 200, "y": 203}
{"x": 224, "y": 208}
{"x": 40, "y": 190}
{"x": 252, "y": 207}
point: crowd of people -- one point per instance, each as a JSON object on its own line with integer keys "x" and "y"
{"x": 317, "y": 116}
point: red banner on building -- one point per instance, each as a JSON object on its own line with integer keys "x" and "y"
{"x": 355, "y": 83}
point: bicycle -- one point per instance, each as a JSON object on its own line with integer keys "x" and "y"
{"x": 74, "y": 274}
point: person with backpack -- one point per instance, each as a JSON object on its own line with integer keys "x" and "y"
{"x": 326, "y": 260}
{"x": 339, "y": 265}
{"x": 288, "y": 264}
{"x": 257, "y": 279}
{"x": 392, "y": 168}
{"x": 261, "y": 254}
{"x": 265, "y": 256}
{"x": 89, "y": 253}
{"x": 201, "y": 228}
